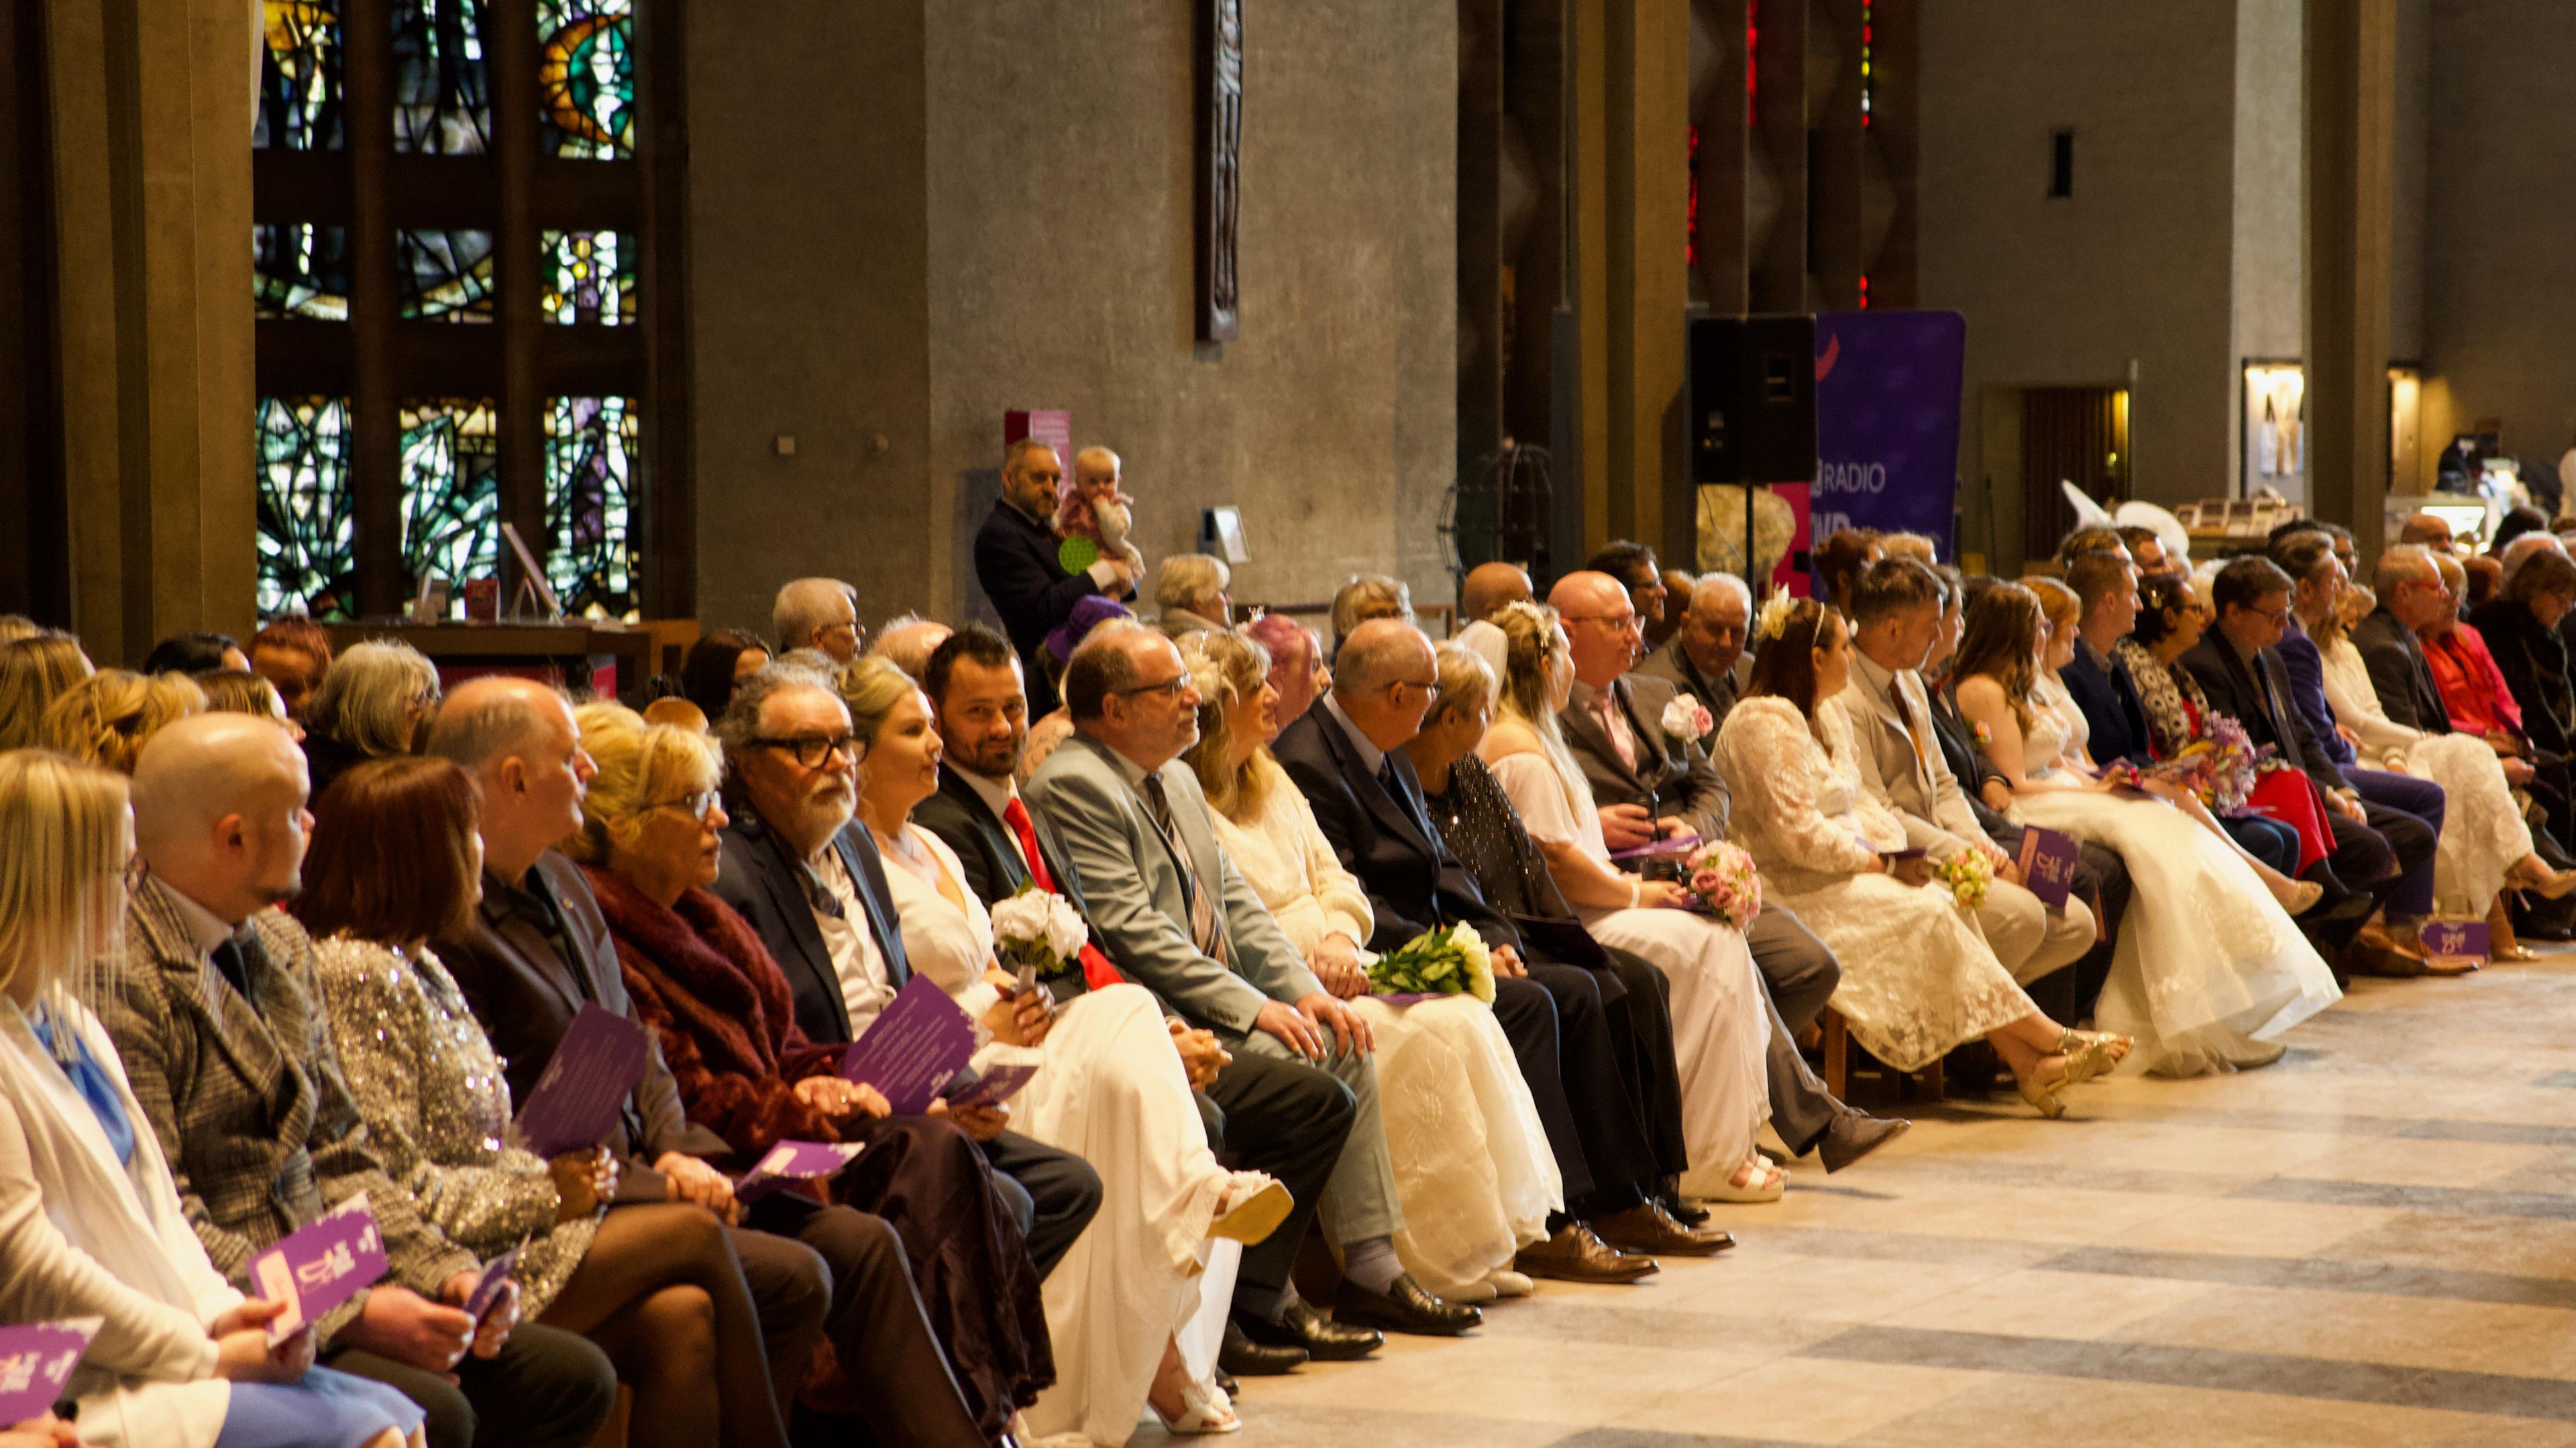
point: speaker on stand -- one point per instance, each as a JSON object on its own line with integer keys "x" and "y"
{"x": 1753, "y": 409}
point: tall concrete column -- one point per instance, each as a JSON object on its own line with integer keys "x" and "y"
{"x": 2351, "y": 107}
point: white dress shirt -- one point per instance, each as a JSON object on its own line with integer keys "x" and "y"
{"x": 861, "y": 967}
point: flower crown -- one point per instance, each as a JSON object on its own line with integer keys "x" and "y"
{"x": 1773, "y": 621}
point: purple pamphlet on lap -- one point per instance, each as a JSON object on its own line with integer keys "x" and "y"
{"x": 793, "y": 1161}
{"x": 995, "y": 1084}
{"x": 36, "y": 1360}
{"x": 2454, "y": 941}
{"x": 915, "y": 1045}
{"x": 1679, "y": 845}
{"x": 595, "y": 1068}
{"x": 488, "y": 1287}
{"x": 318, "y": 1267}
{"x": 2047, "y": 865}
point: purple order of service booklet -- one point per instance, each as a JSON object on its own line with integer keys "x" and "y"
{"x": 487, "y": 1288}
{"x": 2047, "y": 865}
{"x": 916, "y": 1045}
{"x": 320, "y": 1265}
{"x": 2455, "y": 941}
{"x": 794, "y": 1161}
{"x": 595, "y": 1068}
{"x": 36, "y": 1359}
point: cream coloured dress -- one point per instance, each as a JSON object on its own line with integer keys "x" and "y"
{"x": 2483, "y": 831}
{"x": 1472, "y": 1165}
{"x": 1112, "y": 1091}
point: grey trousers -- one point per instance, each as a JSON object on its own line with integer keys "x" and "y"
{"x": 1800, "y": 975}
{"x": 1359, "y": 1200}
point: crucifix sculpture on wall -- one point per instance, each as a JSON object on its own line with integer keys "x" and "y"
{"x": 1220, "y": 169}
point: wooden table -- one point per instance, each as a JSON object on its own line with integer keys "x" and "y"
{"x": 606, "y": 659}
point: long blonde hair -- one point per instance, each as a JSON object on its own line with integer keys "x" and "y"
{"x": 1229, "y": 671}
{"x": 641, "y": 766}
{"x": 34, "y": 672}
{"x": 62, "y": 871}
{"x": 1533, "y": 650}
{"x": 106, "y": 718}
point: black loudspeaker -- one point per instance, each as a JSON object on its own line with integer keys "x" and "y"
{"x": 1753, "y": 399}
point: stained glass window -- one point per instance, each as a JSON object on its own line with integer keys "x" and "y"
{"x": 590, "y": 278}
{"x": 299, "y": 77}
{"x": 307, "y": 533}
{"x": 442, "y": 90}
{"x": 451, "y": 505}
{"x": 590, "y": 503}
{"x": 300, "y": 270}
{"x": 445, "y": 276}
{"x": 586, "y": 78}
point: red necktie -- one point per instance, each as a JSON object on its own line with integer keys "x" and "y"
{"x": 1097, "y": 972}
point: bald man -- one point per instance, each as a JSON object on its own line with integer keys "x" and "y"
{"x": 1701, "y": 658}
{"x": 1489, "y": 588}
{"x": 2427, "y": 530}
{"x": 908, "y": 642}
{"x": 215, "y": 1009}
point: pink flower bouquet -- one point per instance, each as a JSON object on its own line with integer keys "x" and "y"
{"x": 1722, "y": 879}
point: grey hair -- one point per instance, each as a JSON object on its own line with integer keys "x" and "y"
{"x": 1714, "y": 586}
{"x": 366, "y": 698}
{"x": 812, "y": 660}
{"x": 2403, "y": 563}
{"x": 1011, "y": 455}
{"x": 1364, "y": 669}
{"x": 1188, "y": 577}
{"x": 1466, "y": 682}
{"x": 740, "y": 722}
{"x": 801, "y": 609}
{"x": 475, "y": 734}
{"x": 1367, "y": 596}
{"x": 2519, "y": 551}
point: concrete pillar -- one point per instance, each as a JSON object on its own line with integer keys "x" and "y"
{"x": 2351, "y": 106}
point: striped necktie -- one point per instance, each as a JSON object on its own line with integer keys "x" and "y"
{"x": 1204, "y": 930}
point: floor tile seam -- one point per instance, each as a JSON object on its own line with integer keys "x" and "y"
{"x": 2446, "y": 1201}
{"x": 2507, "y": 1289}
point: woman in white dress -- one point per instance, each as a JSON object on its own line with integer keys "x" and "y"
{"x": 1111, "y": 1090}
{"x": 90, "y": 1221}
{"x": 2209, "y": 971}
{"x": 1472, "y": 1164}
{"x": 1918, "y": 977}
{"x": 1720, "y": 1029}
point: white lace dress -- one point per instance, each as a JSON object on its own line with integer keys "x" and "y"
{"x": 1472, "y": 1165}
{"x": 2483, "y": 831}
{"x": 1918, "y": 976}
{"x": 1113, "y": 1092}
{"x": 1720, "y": 1028}
{"x": 2208, "y": 971}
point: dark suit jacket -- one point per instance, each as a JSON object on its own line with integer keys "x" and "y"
{"x": 759, "y": 879}
{"x": 1672, "y": 777}
{"x": 2398, "y": 673}
{"x": 2534, "y": 663}
{"x": 957, "y": 814}
{"x": 1413, "y": 881}
{"x": 2112, "y": 709}
{"x": 1015, "y": 561}
{"x": 525, "y": 993}
{"x": 1970, "y": 764}
{"x": 2267, "y": 714}
{"x": 1673, "y": 664}
{"x": 2306, "y": 666}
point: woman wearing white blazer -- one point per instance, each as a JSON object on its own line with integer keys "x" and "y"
{"x": 90, "y": 1222}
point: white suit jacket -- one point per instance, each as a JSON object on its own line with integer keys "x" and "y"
{"x": 1915, "y": 782}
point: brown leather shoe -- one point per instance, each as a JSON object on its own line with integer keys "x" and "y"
{"x": 1577, "y": 1254}
{"x": 1650, "y": 1228}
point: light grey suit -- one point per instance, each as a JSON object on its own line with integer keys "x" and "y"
{"x": 1133, "y": 888}
{"x": 1904, "y": 770}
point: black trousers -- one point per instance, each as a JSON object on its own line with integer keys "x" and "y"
{"x": 1289, "y": 1120}
{"x": 546, "y": 1389}
{"x": 1640, "y": 1018}
{"x": 1560, "y": 1033}
{"x": 1051, "y": 1194}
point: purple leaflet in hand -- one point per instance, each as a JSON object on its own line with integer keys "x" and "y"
{"x": 595, "y": 1068}
{"x": 793, "y": 1161}
{"x": 919, "y": 1041}
{"x": 2047, "y": 862}
{"x": 487, "y": 1289}
{"x": 36, "y": 1360}
{"x": 318, "y": 1267}
{"x": 995, "y": 1084}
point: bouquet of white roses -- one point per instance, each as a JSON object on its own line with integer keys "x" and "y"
{"x": 1038, "y": 929}
{"x": 1452, "y": 960}
{"x": 1688, "y": 719}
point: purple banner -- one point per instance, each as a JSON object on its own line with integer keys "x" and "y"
{"x": 595, "y": 1068}
{"x": 915, "y": 1045}
{"x": 35, "y": 1361}
{"x": 1887, "y": 422}
{"x": 2047, "y": 865}
{"x": 791, "y": 1161}
{"x": 318, "y": 1267}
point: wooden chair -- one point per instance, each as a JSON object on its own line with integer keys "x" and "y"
{"x": 1838, "y": 1050}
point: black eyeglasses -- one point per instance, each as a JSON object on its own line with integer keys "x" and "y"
{"x": 812, "y": 750}
{"x": 1170, "y": 688}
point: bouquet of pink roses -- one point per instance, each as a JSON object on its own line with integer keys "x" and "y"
{"x": 2219, "y": 766}
{"x": 1722, "y": 879}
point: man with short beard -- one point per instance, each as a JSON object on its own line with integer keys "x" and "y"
{"x": 809, "y": 880}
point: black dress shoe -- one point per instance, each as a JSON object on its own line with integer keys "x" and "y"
{"x": 1650, "y": 1228}
{"x": 1403, "y": 1307}
{"x": 1853, "y": 1135}
{"x": 1240, "y": 1354}
{"x": 1225, "y": 1381}
{"x": 1577, "y": 1254}
{"x": 1679, "y": 1208}
{"x": 1301, "y": 1326}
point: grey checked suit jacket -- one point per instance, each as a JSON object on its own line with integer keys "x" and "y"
{"x": 249, "y": 1104}
{"x": 1675, "y": 773}
{"x": 1133, "y": 889}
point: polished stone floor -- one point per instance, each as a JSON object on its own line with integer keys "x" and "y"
{"x": 2372, "y": 1242}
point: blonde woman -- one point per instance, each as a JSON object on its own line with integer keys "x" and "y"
{"x": 372, "y": 702}
{"x": 1720, "y": 1025}
{"x": 34, "y": 672}
{"x": 105, "y": 718}
{"x": 90, "y": 1220}
{"x": 1472, "y": 1164}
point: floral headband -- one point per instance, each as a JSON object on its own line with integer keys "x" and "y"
{"x": 1773, "y": 621}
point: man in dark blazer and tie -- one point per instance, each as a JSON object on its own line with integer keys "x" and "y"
{"x": 1017, "y": 564}
{"x": 1346, "y": 756}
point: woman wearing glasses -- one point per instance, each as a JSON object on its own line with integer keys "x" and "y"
{"x": 652, "y": 832}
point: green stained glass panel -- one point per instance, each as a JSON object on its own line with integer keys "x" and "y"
{"x": 442, "y": 89}
{"x": 451, "y": 503}
{"x": 307, "y": 518}
{"x": 586, "y": 78}
{"x": 445, "y": 276}
{"x": 590, "y": 278}
{"x": 300, "y": 270}
{"x": 590, "y": 504}
{"x": 299, "y": 76}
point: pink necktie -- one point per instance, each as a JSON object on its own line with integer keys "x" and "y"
{"x": 1611, "y": 724}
